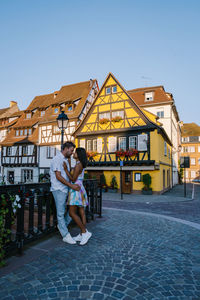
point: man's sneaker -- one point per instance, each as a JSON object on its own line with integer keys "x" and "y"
{"x": 68, "y": 239}
{"x": 78, "y": 238}
{"x": 85, "y": 237}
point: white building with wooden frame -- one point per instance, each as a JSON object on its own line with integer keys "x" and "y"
{"x": 32, "y": 141}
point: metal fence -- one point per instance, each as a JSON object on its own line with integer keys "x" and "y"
{"x": 37, "y": 215}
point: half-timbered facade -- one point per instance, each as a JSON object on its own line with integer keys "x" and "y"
{"x": 34, "y": 139}
{"x": 115, "y": 129}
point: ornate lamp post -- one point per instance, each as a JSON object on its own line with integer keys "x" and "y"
{"x": 62, "y": 121}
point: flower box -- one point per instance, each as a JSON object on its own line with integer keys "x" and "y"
{"x": 104, "y": 121}
{"x": 116, "y": 119}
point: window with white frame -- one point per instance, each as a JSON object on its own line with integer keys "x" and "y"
{"x": 27, "y": 175}
{"x": 51, "y": 152}
{"x": 198, "y": 148}
{"x": 25, "y": 131}
{"x": 24, "y": 150}
{"x": 114, "y": 89}
{"x": 193, "y": 174}
{"x": 160, "y": 114}
{"x": 29, "y": 131}
{"x": 149, "y": 96}
{"x": 9, "y": 151}
{"x": 165, "y": 148}
{"x": 119, "y": 113}
{"x": 193, "y": 161}
{"x": 104, "y": 115}
{"x": 142, "y": 142}
{"x": 82, "y": 143}
{"x": 89, "y": 145}
{"x": 28, "y": 116}
{"x": 122, "y": 143}
{"x": 132, "y": 142}
{"x": 56, "y": 110}
{"x": 17, "y": 133}
{"x": 112, "y": 144}
{"x": 99, "y": 145}
{"x": 185, "y": 139}
{"x": 191, "y": 149}
{"x": 21, "y": 132}
{"x": 186, "y": 174}
{"x": 95, "y": 145}
{"x": 42, "y": 113}
{"x": 108, "y": 90}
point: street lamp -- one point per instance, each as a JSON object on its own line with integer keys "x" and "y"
{"x": 62, "y": 121}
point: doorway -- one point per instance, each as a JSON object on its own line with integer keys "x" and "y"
{"x": 126, "y": 182}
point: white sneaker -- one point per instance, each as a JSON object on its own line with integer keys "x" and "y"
{"x": 68, "y": 239}
{"x": 78, "y": 238}
{"x": 85, "y": 237}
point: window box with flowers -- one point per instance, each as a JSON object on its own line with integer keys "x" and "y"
{"x": 91, "y": 155}
{"x": 116, "y": 119}
{"x": 130, "y": 153}
{"x": 103, "y": 121}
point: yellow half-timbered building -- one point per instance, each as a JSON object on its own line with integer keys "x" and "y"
{"x": 116, "y": 129}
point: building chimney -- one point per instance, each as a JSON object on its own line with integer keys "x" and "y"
{"x": 13, "y": 103}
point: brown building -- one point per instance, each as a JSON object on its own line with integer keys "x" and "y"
{"x": 191, "y": 148}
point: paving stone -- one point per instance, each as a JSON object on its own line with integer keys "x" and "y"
{"x": 148, "y": 257}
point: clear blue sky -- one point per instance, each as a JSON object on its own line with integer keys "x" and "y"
{"x": 46, "y": 44}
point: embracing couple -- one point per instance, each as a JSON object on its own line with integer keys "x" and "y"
{"x": 68, "y": 189}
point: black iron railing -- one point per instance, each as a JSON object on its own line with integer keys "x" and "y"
{"x": 36, "y": 216}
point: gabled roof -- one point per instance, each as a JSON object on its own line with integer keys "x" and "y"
{"x": 136, "y": 107}
{"x": 11, "y": 139}
{"x": 41, "y": 101}
{"x": 190, "y": 129}
{"x": 8, "y": 111}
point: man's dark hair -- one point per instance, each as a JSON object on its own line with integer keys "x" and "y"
{"x": 68, "y": 145}
{"x": 82, "y": 156}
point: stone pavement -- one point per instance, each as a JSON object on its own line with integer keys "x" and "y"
{"x": 131, "y": 255}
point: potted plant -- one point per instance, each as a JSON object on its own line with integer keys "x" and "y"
{"x": 113, "y": 184}
{"x": 103, "y": 183}
{"x": 146, "y": 179}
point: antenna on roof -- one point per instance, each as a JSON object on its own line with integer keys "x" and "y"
{"x": 146, "y": 80}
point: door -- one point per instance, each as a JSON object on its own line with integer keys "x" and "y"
{"x": 11, "y": 177}
{"x": 126, "y": 182}
{"x": 163, "y": 179}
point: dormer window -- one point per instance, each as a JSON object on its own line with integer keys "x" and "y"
{"x": 149, "y": 96}
{"x": 69, "y": 108}
{"x": 28, "y": 116}
{"x": 42, "y": 113}
{"x": 56, "y": 110}
{"x": 108, "y": 90}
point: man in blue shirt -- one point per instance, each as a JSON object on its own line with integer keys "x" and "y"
{"x": 59, "y": 189}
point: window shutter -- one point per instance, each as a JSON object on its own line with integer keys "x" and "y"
{"x": 112, "y": 143}
{"x": 142, "y": 142}
{"x": 99, "y": 145}
{"x": 82, "y": 143}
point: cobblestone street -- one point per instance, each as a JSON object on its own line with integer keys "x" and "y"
{"x": 139, "y": 250}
